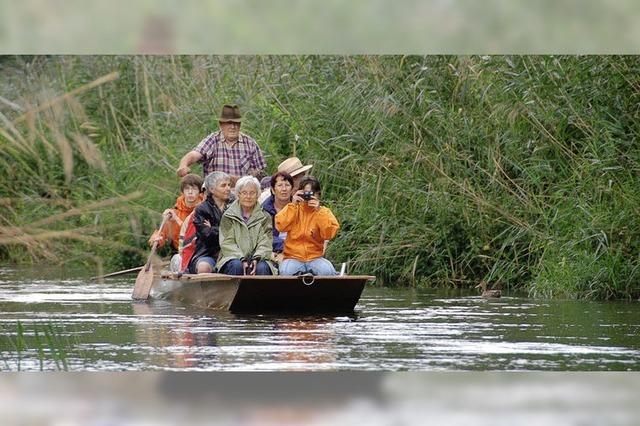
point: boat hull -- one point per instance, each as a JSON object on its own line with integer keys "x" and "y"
{"x": 256, "y": 294}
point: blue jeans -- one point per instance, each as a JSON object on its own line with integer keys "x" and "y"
{"x": 234, "y": 267}
{"x": 205, "y": 259}
{"x": 319, "y": 266}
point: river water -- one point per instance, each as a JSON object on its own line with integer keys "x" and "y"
{"x": 81, "y": 326}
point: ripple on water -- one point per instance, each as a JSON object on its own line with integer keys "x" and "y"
{"x": 391, "y": 330}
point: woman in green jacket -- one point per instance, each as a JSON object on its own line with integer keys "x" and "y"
{"x": 246, "y": 234}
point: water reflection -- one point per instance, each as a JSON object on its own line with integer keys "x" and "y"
{"x": 174, "y": 344}
{"x": 182, "y": 337}
{"x": 393, "y": 329}
{"x": 306, "y": 342}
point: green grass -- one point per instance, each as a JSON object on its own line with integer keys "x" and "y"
{"x": 442, "y": 170}
{"x": 42, "y": 342}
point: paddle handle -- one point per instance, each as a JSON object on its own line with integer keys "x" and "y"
{"x": 115, "y": 274}
{"x": 154, "y": 247}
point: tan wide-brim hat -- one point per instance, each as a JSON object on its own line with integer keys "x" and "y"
{"x": 293, "y": 166}
{"x": 230, "y": 113}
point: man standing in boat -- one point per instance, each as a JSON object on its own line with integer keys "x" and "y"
{"x": 227, "y": 150}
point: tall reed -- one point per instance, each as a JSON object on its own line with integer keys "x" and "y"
{"x": 41, "y": 342}
{"x": 442, "y": 170}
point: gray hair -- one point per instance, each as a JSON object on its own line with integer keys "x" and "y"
{"x": 248, "y": 180}
{"x": 213, "y": 178}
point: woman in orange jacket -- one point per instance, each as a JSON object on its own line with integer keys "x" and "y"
{"x": 308, "y": 226}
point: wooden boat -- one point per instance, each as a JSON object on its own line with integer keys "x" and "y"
{"x": 256, "y": 294}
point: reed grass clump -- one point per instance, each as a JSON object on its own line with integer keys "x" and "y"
{"x": 40, "y": 342}
{"x": 443, "y": 170}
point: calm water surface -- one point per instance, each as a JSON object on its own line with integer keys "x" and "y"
{"x": 97, "y": 327}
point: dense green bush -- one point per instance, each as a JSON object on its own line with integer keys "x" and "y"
{"x": 520, "y": 171}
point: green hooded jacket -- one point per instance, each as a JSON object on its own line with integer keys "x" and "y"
{"x": 250, "y": 240}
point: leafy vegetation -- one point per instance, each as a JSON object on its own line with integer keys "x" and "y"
{"x": 521, "y": 171}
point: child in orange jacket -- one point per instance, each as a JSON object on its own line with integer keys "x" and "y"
{"x": 190, "y": 197}
{"x": 308, "y": 226}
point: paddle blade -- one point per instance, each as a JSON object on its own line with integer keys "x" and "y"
{"x": 144, "y": 281}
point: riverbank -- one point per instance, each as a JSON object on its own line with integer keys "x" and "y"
{"x": 519, "y": 171}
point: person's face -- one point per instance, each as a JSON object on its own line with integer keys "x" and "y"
{"x": 190, "y": 193}
{"x": 297, "y": 179}
{"x": 282, "y": 189}
{"x": 307, "y": 188}
{"x": 230, "y": 130}
{"x": 248, "y": 197}
{"x": 222, "y": 190}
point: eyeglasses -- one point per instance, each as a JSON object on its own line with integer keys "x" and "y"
{"x": 231, "y": 123}
{"x": 247, "y": 194}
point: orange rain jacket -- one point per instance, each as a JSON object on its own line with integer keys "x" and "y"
{"x": 307, "y": 229}
{"x": 171, "y": 229}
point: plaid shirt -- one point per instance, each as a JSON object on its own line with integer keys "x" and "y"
{"x": 236, "y": 160}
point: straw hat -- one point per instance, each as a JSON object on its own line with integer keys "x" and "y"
{"x": 293, "y": 166}
{"x": 230, "y": 113}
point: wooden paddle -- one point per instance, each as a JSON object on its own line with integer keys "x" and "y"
{"x": 115, "y": 274}
{"x": 123, "y": 272}
{"x": 144, "y": 280}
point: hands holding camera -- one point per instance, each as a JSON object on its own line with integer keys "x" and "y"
{"x": 307, "y": 197}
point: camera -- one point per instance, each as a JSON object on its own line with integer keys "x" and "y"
{"x": 307, "y": 195}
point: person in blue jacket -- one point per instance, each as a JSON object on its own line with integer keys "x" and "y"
{"x": 281, "y": 191}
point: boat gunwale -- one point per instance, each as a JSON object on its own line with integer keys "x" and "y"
{"x": 224, "y": 277}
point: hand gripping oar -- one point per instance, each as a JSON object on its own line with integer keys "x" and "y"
{"x": 144, "y": 280}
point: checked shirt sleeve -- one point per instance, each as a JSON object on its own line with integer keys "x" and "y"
{"x": 204, "y": 147}
{"x": 257, "y": 159}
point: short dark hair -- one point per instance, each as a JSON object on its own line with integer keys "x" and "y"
{"x": 265, "y": 182}
{"x": 315, "y": 184}
{"x": 191, "y": 180}
{"x": 284, "y": 175}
